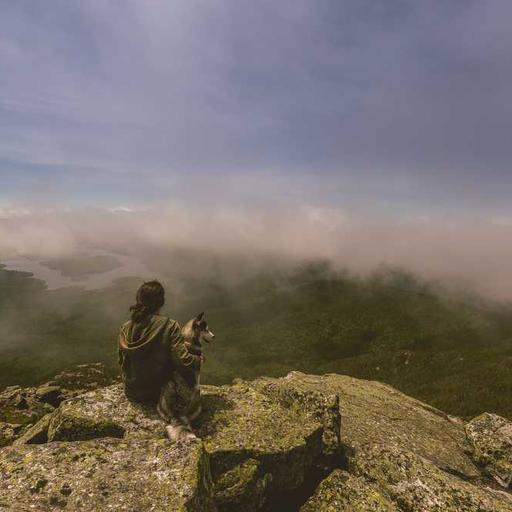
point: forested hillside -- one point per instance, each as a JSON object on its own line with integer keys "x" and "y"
{"x": 455, "y": 353}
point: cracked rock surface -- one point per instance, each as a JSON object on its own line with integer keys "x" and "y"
{"x": 321, "y": 443}
{"x": 105, "y": 474}
{"x": 491, "y": 438}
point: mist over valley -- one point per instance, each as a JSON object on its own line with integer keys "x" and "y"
{"x": 272, "y": 311}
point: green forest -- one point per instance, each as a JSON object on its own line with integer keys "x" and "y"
{"x": 452, "y": 352}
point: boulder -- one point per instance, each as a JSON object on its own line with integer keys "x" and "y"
{"x": 298, "y": 395}
{"x": 491, "y": 438}
{"x": 49, "y": 394}
{"x": 323, "y": 443}
{"x": 106, "y": 474}
{"x": 242, "y": 487}
{"x": 256, "y": 445}
{"x": 105, "y": 412}
{"x": 416, "y": 484}
{"x": 375, "y": 413}
{"x": 341, "y": 491}
{"x": 37, "y": 434}
{"x": 9, "y": 432}
{"x": 255, "y": 442}
{"x": 23, "y": 407}
{"x": 83, "y": 378}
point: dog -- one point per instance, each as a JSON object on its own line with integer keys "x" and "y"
{"x": 187, "y": 395}
{"x": 196, "y": 332}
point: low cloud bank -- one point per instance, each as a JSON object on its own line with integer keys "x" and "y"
{"x": 473, "y": 251}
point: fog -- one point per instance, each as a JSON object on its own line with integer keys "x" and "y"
{"x": 472, "y": 252}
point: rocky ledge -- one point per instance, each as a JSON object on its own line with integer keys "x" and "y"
{"x": 301, "y": 442}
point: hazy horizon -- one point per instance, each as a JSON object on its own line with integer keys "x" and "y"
{"x": 473, "y": 253}
{"x": 364, "y": 133}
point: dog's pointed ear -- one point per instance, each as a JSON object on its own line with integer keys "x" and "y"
{"x": 200, "y": 316}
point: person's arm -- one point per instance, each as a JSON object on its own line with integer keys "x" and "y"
{"x": 182, "y": 359}
{"x": 120, "y": 340}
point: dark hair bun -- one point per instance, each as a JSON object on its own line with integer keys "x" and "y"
{"x": 150, "y": 298}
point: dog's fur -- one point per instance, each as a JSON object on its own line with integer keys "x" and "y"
{"x": 195, "y": 332}
{"x": 185, "y": 397}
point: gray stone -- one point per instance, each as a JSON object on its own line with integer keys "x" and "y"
{"x": 491, "y": 439}
{"x": 372, "y": 412}
{"x": 341, "y": 491}
{"x": 415, "y": 484}
{"x": 106, "y": 474}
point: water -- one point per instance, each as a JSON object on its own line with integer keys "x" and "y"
{"x": 128, "y": 266}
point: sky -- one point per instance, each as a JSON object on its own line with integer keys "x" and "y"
{"x": 325, "y": 113}
{"x": 397, "y": 106}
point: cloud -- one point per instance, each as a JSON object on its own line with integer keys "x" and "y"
{"x": 348, "y": 91}
{"x": 363, "y": 132}
{"x": 475, "y": 251}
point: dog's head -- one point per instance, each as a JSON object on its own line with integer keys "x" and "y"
{"x": 201, "y": 330}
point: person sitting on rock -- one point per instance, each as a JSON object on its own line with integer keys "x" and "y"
{"x": 156, "y": 365}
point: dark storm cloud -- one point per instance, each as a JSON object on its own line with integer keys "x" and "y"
{"x": 399, "y": 102}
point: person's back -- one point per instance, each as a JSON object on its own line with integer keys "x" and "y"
{"x": 152, "y": 354}
{"x": 145, "y": 356}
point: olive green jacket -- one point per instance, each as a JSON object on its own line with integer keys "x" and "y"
{"x": 150, "y": 353}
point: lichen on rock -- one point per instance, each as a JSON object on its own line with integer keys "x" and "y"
{"x": 416, "y": 484}
{"x": 37, "y": 434}
{"x": 341, "y": 491}
{"x": 83, "y": 378}
{"x": 295, "y": 392}
{"x": 23, "y": 407}
{"x": 242, "y": 487}
{"x": 105, "y": 412}
{"x": 9, "y": 432}
{"x": 106, "y": 474}
{"x": 491, "y": 439}
{"x": 240, "y": 423}
{"x": 363, "y": 445}
{"x": 372, "y": 412}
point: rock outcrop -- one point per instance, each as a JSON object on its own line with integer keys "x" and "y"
{"x": 414, "y": 483}
{"x": 342, "y": 491}
{"x": 106, "y": 474}
{"x": 377, "y": 414}
{"x": 314, "y": 443}
{"x": 491, "y": 438}
{"x": 21, "y": 408}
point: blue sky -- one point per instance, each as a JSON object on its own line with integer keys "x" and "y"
{"x": 397, "y": 106}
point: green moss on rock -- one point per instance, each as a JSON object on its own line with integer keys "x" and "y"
{"x": 106, "y": 474}
{"x": 22, "y": 406}
{"x": 491, "y": 438}
{"x": 240, "y": 423}
{"x": 83, "y": 378}
{"x": 104, "y": 412}
{"x": 8, "y": 433}
{"x": 36, "y": 434}
{"x": 415, "y": 484}
{"x": 341, "y": 491}
{"x": 242, "y": 488}
{"x": 372, "y": 412}
{"x": 260, "y": 441}
{"x": 315, "y": 402}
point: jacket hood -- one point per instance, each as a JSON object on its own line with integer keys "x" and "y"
{"x": 134, "y": 336}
